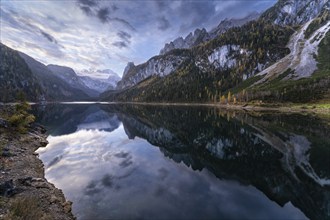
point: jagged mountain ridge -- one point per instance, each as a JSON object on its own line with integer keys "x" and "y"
{"x": 226, "y": 24}
{"x": 170, "y": 63}
{"x": 201, "y": 35}
{"x": 219, "y": 56}
{"x": 192, "y": 39}
{"x": 214, "y": 56}
{"x": 218, "y": 63}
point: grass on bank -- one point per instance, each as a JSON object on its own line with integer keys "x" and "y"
{"x": 25, "y": 208}
{"x": 20, "y": 119}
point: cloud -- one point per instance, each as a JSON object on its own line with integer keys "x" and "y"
{"x": 195, "y": 14}
{"x": 103, "y": 14}
{"x": 123, "y": 58}
{"x": 48, "y": 37}
{"x": 45, "y": 51}
{"x": 87, "y": 6}
{"x": 37, "y": 39}
{"x": 120, "y": 44}
{"x": 26, "y": 24}
{"x": 88, "y": 2}
{"x": 124, "y": 36}
{"x": 87, "y": 10}
{"x": 11, "y": 18}
{"x": 163, "y": 23}
{"x": 114, "y": 7}
{"x": 161, "y": 5}
{"x": 123, "y": 21}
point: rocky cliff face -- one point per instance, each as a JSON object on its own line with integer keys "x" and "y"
{"x": 192, "y": 39}
{"x": 156, "y": 66}
{"x": 127, "y": 69}
{"x": 295, "y": 12}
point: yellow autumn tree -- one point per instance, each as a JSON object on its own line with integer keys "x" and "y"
{"x": 229, "y": 97}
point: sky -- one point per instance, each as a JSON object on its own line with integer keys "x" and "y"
{"x": 95, "y": 34}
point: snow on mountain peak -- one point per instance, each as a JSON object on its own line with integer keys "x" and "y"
{"x": 99, "y": 80}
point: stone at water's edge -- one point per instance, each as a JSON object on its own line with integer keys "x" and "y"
{"x": 7, "y": 188}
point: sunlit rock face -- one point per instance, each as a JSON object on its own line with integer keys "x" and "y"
{"x": 223, "y": 57}
{"x": 157, "y": 66}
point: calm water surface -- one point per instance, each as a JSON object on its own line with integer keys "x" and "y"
{"x": 147, "y": 162}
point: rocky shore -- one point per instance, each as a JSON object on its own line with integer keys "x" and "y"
{"x": 24, "y": 191}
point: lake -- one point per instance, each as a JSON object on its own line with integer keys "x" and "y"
{"x": 186, "y": 162}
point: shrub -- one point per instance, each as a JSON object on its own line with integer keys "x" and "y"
{"x": 21, "y": 118}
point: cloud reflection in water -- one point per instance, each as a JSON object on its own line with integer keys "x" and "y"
{"x": 107, "y": 175}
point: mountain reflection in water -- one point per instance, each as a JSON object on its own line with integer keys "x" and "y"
{"x": 148, "y": 162}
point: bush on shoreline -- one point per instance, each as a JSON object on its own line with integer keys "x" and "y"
{"x": 21, "y": 118}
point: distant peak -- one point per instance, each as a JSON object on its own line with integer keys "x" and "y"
{"x": 98, "y": 73}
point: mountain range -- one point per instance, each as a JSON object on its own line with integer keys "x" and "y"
{"x": 280, "y": 55}
{"x": 20, "y": 72}
{"x": 97, "y": 83}
{"x": 201, "y": 35}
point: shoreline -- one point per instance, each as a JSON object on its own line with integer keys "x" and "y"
{"x": 319, "y": 108}
{"x": 24, "y": 191}
{"x": 316, "y": 108}
{"x": 276, "y": 107}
